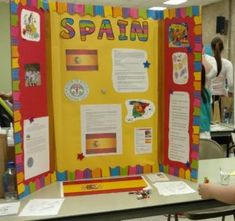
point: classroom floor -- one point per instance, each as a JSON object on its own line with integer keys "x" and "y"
{"x": 164, "y": 218}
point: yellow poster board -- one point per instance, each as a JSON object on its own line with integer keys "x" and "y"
{"x": 86, "y": 52}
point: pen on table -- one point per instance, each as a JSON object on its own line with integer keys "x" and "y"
{"x": 206, "y": 180}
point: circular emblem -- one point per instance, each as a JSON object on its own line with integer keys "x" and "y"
{"x": 30, "y": 162}
{"x": 76, "y": 90}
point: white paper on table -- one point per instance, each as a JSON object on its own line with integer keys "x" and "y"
{"x": 9, "y": 208}
{"x": 42, "y": 207}
{"x": 156, "y": 177}
{"x": 173, "y": 188}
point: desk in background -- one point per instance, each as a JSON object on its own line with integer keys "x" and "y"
{"x": 119, "y": 206}
{"x": 221, "y": 133}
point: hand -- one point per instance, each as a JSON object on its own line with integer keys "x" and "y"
{"x": 205, "y": 190}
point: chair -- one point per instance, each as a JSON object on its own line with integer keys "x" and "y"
{"x": 211, "y": 213}
{"x": 6, "y": 114}
{"x": 209, "y": 149}
{"x": 232, "y": 147}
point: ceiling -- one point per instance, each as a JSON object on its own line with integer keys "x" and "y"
{"x": 137, "y": 3}
{"x": 140, "y": 3}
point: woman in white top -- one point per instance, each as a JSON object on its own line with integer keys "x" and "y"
{"x": 222, "y": 84}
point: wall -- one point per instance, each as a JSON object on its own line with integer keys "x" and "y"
{"x": 232, "y": 25}
{"x": 224, "y": 8}
{"x": 209, "y": 14}
{"x": 5, "y": 64}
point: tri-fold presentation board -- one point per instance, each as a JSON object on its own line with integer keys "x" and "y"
{"x": 102, "y": 91}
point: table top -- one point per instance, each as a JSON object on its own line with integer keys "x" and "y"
{"x": 211, "y": 169}
{"x": 222, "y": 127}
{"x": 124, "y": 204}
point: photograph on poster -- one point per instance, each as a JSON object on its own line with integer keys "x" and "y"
{"x": 32, "y": 75}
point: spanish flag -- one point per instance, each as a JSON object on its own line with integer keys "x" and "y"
{"x": 98, "y": 186}
{"x": 101, "y": 143}
{"x": 81, "y": 60}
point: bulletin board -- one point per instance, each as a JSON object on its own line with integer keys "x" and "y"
{"x": 30, "y": 101}
{"x": 108, "y": 127}
{"x": 90, "y": 95}
{"x": 183, "y": 45}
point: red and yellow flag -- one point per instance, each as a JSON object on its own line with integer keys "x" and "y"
{"x": 101, "y": 143}
{"x": 81, "y": 60}
{"x": 98, "y": 186}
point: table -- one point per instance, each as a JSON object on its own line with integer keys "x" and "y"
{"x": 221, "y": 133}
{"x": 221, "y": 129}
{"x": 119, "y": 206}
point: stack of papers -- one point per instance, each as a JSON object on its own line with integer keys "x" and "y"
{"x": 9, "y": 208}
{"x": 156, "y": 177}
{"x": 173, "y": 188}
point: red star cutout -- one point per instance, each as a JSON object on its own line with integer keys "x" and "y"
{"x": 80, "y": 156}
{"x": 31, "y": 119}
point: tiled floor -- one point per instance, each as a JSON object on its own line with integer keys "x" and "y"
{"x": 164, "y": 218}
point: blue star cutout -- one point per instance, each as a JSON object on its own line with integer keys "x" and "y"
{"x": 146, "y": 64}
{"x": 189, "y": 49}
{"x": 188, "y": 164}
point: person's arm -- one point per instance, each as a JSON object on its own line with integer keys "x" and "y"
{"x": 229, "y": 77}
{"x": 210, "y": 66}
{"x": 221, "y": 193}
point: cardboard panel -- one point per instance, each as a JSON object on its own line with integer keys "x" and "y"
{"x": 3, "y": 160}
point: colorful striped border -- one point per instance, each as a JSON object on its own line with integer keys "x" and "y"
{"x": 98, "y": 10}
{"x": 25, "y": 189}
{"x": 98, "y": 173}
{"x": 197, "y": 96}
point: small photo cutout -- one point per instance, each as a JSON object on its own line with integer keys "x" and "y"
{"x": 178, "y": 35}
{"x": 32, "y": 75}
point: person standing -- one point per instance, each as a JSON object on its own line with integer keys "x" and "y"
{"x": 222, "y": 84}
{"x": 205, "y": 110}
